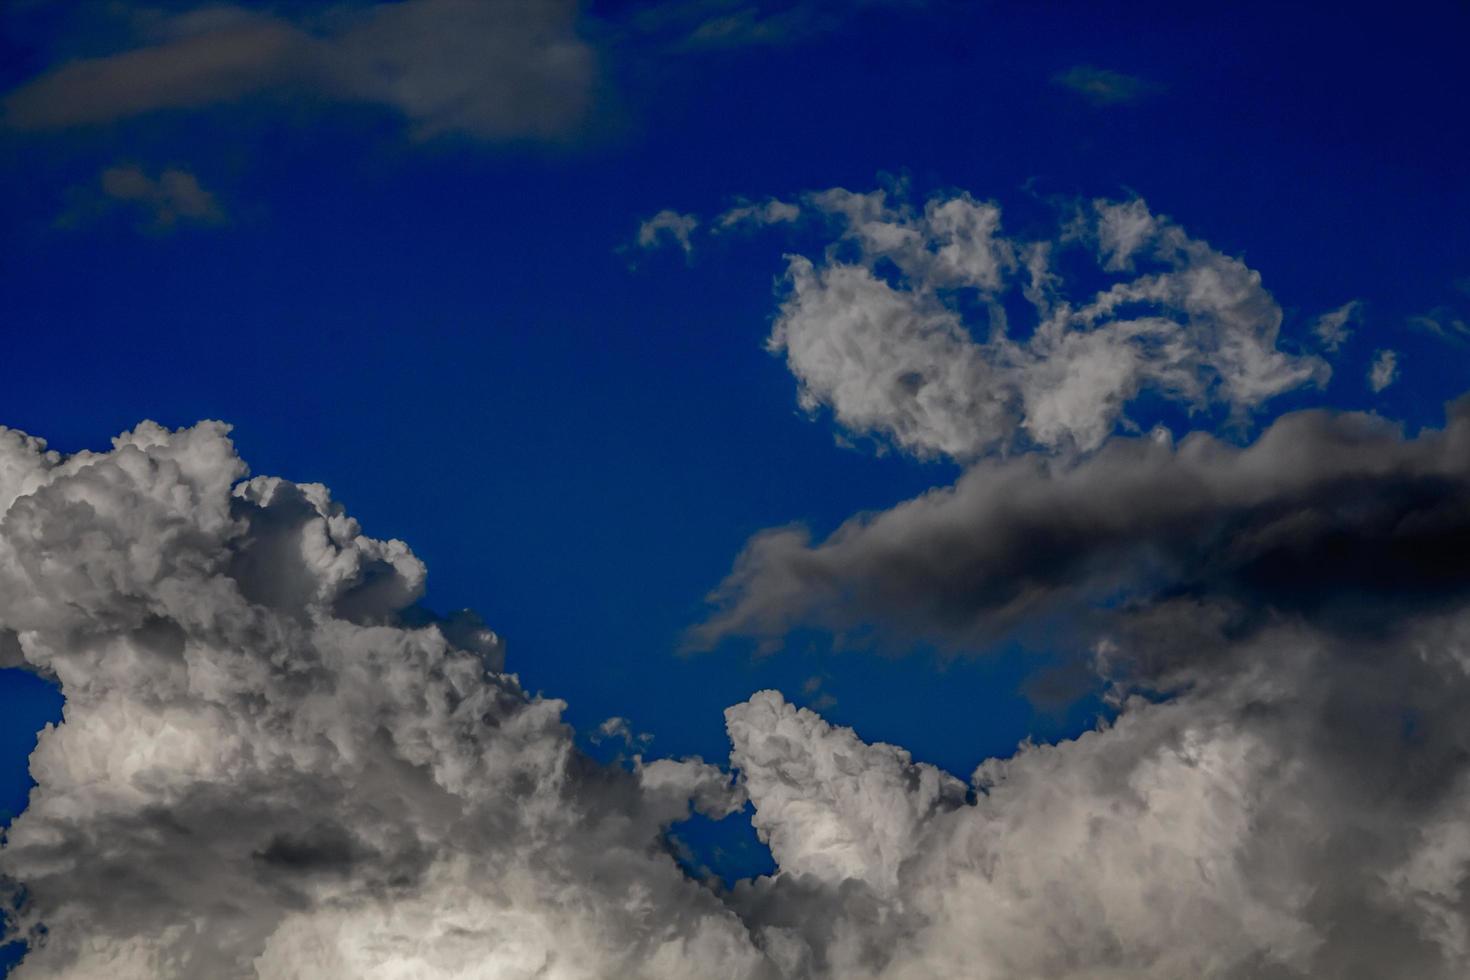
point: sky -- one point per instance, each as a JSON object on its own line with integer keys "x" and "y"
{"x": 1061, "y": 392}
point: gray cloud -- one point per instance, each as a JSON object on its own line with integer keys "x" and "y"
{"x": 1334, "y": 518}
{"x": 668, "y": 226}
{"x": 161, "y": 203}
{"x": 268, "y": 769}
{"x": 274, "y": 765}
{"x": 492, "y": 69}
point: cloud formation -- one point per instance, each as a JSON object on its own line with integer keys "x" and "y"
{"x": 274, "y": 764}
{"x": 1384, "y": 370}
{"x": 668, "y": 226}
{"x": 1104, "y": 87}
{"x": 901, "y": 326}
{"x": 490, "y": 69}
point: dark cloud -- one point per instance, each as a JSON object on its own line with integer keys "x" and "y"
{"x": 1333, "y": 518}
{"x": 490, "y": 69}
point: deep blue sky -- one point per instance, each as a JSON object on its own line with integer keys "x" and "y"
{"x": 577, "y": 438}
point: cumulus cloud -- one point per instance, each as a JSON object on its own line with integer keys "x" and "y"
{"x": 1283, "y": 632}
{"x": 901, "y": 327}
{"x": 668, "y": 226}
{"x": 161, "y": 203}
{"x": 274, "y": 764}
{"x": 497, "y": 69}
{"x": 1384, "y": 370}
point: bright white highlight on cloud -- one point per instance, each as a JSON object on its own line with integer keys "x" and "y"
{"x": 901, "y": 329}
{"x": 273, "y": 766}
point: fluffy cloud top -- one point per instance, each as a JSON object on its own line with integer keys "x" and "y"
{"x": 901, "y": 328}
{"x": 266, "y": 770}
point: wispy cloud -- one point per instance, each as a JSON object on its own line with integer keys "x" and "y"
{"x": 1104, "y": 87}
{"x": 161, "y": 204}
{"x": 1384, "y": 370}
{"x": 491, "y": 70}
{"x": 668, "y": 226}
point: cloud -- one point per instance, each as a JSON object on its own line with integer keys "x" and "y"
{"x": 1332, "y": 328}
{"x": 900, "y": 327}
{"x": 771, "y": 211}
{"x": 500, "y": 69}
{"x": 1333, "y": 518}
{"x": 1384, "y": 370}
{"x": 668, "y": 226}
{"x": 703, "y": 25}
{"x": 161, "y": 203}
{"x": 274, "y": 764}
{"x": 1102, "y": 87}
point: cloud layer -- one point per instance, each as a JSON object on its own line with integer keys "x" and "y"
{"x": 273, "y": 764}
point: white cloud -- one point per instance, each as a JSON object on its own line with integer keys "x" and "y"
{"x": 668, "y": 226}
{"x": 900, "y": 328}
{"x": 1384, "y": 370}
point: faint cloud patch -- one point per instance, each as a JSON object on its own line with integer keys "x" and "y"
{"x": 160, "y": 204}
{"x": 1333, "y": 329}
{"x": 1104, "y": 87}
{"x": 668, "y": 226}
{"x": 1384, "y": 370}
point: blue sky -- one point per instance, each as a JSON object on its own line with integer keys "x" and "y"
{"x": 457, "y": 332}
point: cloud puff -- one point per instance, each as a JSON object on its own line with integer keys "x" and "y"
{"x": 901, "y": 326}
{"x": 162, "y": 203}
{"x": 502, "y": 69}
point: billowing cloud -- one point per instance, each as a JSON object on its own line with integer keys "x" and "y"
{"x": 274, "y": 764}
{"x": 268, "y": 768}
{"x": 901, "y": 327}
{"x": 492, "y": 69}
